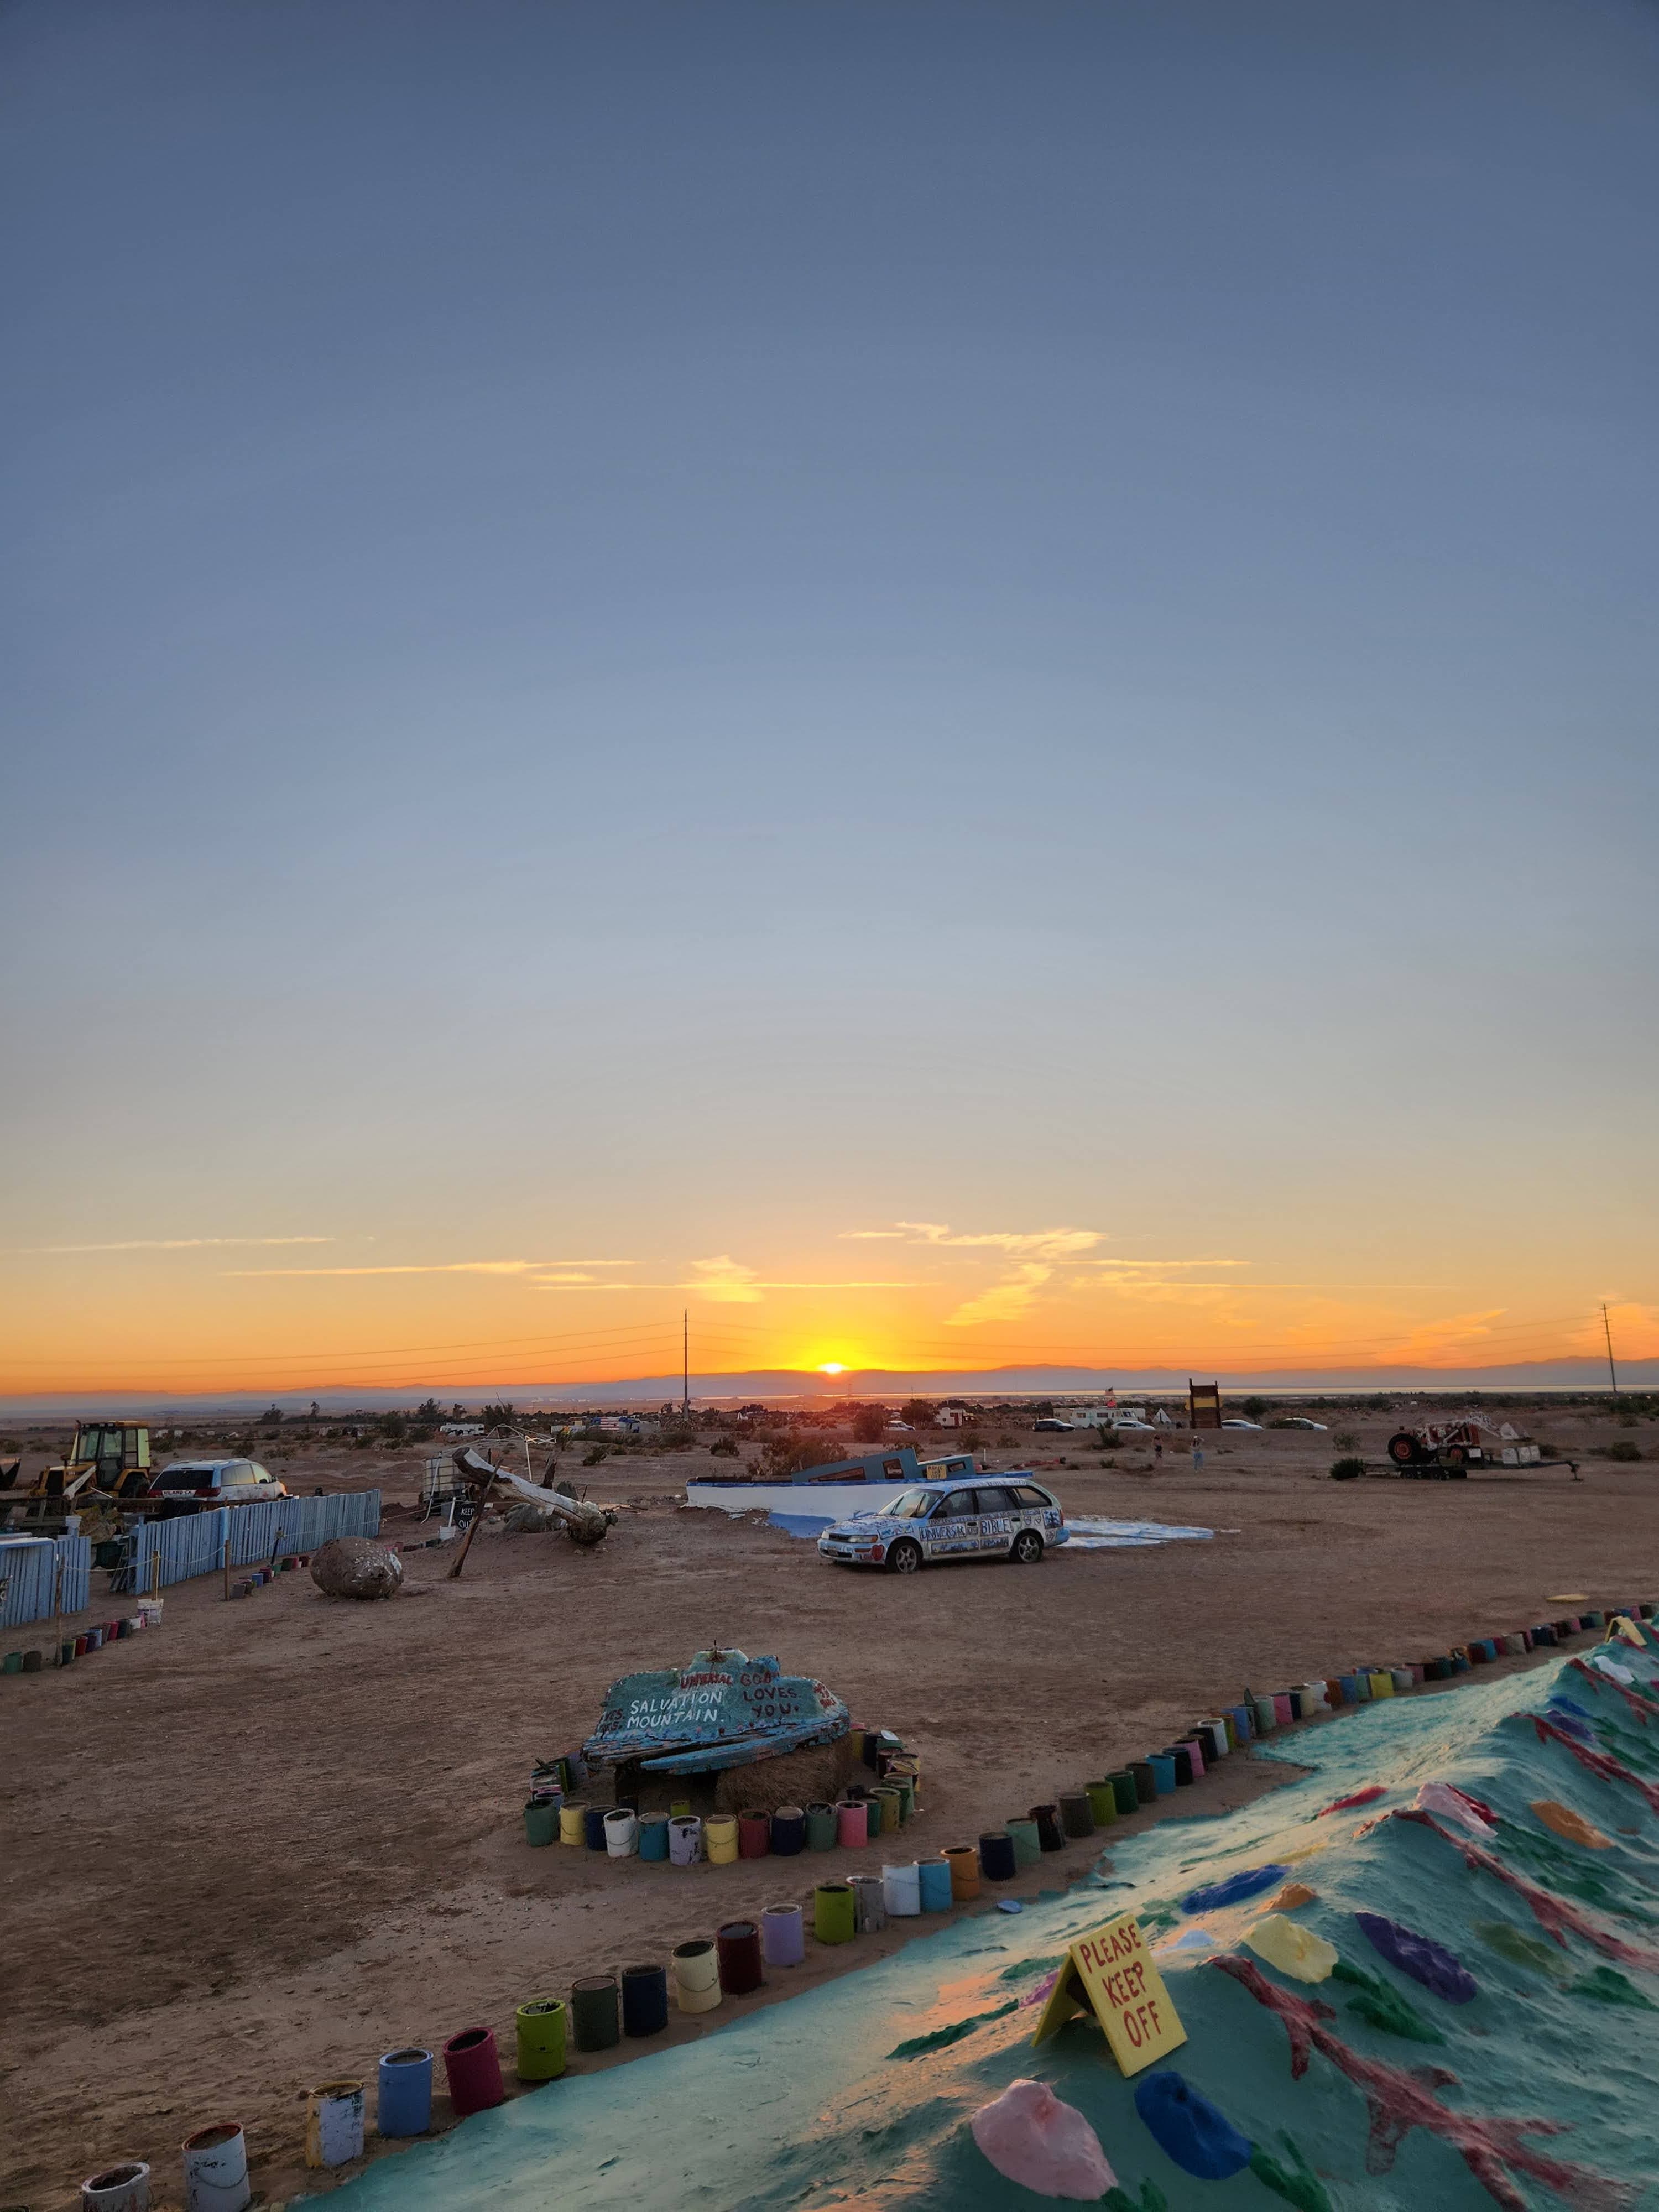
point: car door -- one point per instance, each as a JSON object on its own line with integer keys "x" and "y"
{"x": 953, "y": 1528}
{"x": 999, "y": 1516}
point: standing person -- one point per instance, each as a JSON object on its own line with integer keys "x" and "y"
{"x": 1198, "y": 1455}
{"x": 1157, "y": 1454}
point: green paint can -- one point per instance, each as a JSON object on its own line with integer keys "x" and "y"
{"x": 541, "y": 2024}
{"x": 821, "y": 1827}
{"x": 1103, "y": 1803}
{"x": 1023, "y": 1834}
{"x": 541, "y": 1823}
{"x": 1128, "y": 1797}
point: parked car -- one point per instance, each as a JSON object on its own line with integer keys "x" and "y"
{"x": 217, "y": 1482}
{"x": 1014, "y": 1519}
{"x": 1048, "y": 1426}
{"x": 1300, "y": 1421}
{"x": 1237, "y": 1421}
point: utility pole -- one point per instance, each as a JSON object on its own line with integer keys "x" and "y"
{"x": 1607, "y": 1331}
{"x": 685, "y": 1360}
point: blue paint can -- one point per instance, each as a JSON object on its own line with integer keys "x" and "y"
{"x": 934, "y": 1875}
{"x": 1164, "y": 1773}
{"x": 405, "y": 2093}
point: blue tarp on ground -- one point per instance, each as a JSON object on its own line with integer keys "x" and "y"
{"x": 803, "y": 2105}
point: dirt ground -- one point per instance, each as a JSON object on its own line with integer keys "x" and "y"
{"x": 253, "y": 1851}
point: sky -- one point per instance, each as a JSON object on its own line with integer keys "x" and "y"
{"x": 945, "y": 684}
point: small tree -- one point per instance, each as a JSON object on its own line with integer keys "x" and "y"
{"x": 496, "y": 1416}
{"x": 785, "y": 1458}
{"x": 870, "y": 1424}
{"x": 919, "y": 1412}
{"x": 393, "y": 1427}
{"x": 1255, "y": 1408}
{"x": 430, "y": 1412}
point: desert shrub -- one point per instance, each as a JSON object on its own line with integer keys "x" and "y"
{"x": 1255, "y": 1408}
{"x": 1626, "y": 1452}
{"x": 869, "y": 1425}
{"x": 1109, "y": 1440}
{"x": 1345, "y": 1470}
{"x": 594, "y": 1457}
{"x": 1346, "y": 1440}
{"x": 783, "y": 1458}
{"x": 1007, "y": 1443}
{"x": 724, "y": 1447}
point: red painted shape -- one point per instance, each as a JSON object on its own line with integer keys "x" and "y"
{"x": 1492, "y": 2148}
{"x": 1368, "y": 1796}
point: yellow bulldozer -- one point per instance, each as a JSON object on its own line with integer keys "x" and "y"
{"x": 107, "y": 1462}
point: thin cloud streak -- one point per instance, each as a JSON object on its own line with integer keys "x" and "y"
{"x": 171, "y": 1243}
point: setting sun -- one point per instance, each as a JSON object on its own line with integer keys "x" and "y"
{"x": 832, "y": 1367}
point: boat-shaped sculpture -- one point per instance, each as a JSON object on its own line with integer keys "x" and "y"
{"x": 721, "y": 1709}
{"x": 832, "y": 1491}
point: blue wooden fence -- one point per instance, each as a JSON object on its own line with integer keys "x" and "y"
{"x": 29, "y": 1568}
{"x": 173, "y": 1551}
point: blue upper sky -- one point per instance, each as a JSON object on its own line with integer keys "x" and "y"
{"x": 649, "y": 631}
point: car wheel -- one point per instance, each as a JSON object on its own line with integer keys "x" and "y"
{"x": 903, "y": 1558}
{"x": 1027, "y": 1548}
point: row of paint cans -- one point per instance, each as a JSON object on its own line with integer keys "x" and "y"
{"x": 35, "y": 1659}
{"x": 719, "y": 1838}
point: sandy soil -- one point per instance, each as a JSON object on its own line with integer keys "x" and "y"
{"x": 250, "y": 1852}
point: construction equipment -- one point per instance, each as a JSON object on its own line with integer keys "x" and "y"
{"x": 1444, "y": 1451}
{"x": 105, "y": 1461}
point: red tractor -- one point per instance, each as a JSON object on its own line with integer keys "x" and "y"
{"x": 1444, "y": 1451}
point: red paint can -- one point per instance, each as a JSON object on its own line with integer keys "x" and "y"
{"x": 473, "y": 2067}
{"x": 753, "y": 1835}
{"x": 739, "y": 1946}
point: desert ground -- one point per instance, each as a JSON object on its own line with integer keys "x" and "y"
{"x": 248, "y": 1853}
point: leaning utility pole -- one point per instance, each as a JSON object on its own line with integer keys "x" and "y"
{"x": 1607, "y": 1331}
{"x": 685, "y": 1361}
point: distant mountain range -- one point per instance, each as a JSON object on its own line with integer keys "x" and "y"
{"x": 787, "y": 1384}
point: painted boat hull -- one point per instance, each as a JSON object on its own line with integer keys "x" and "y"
{"x": 829, "y": 1501}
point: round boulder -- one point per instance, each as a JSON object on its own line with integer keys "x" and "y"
{"x": 357, "y": 1566}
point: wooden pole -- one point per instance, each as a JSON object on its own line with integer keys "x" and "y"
{"x": 472, "y": 1529}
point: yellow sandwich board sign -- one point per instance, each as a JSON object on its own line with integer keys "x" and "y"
{"x": 1109, "y": 1973}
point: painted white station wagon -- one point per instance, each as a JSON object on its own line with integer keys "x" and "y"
{"x": 1012, "y": 1518}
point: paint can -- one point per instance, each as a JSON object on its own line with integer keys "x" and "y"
{"x": 685, "y": 1839}
{"x": 593, "y": 1820}
{"x": 822, "y": 1824}
{"x": 473, "y": 2067}
{"x": 871, "y": 1820}
{"x": 653, "y": 1836}
{"x": 1103, "y": 1805}
{"x": 595, "y": 2020}
{"x": 1194, "y": 1748}
{"x": 13, "y": 1662}
{"x": 1266, "y": 1717}
{"x": 1315, "y": 1699}
{"x": 887, "y": 1797}
{"x": 1023, "y": 1835}
{"x": 934, "y": 1883}
{"x": 215, "y": 2169}
{"x": 834, "y": 1912}
{"x": 644, "y": 2000}
{"x": 869, "y": 1903}
{"x": 1051, "y": 1837}
{"x": 123, "y": 2188}
{"x": 541, "y": 1822}
{"x": 32, "y": 1661}
{"x": 696, "y": 1976}
{"x": 573, "y": 1823}
{"x": 151, "y": 1609}
{"x": 964, "y": 1862}
{"x": 334, "y": 2124}
{"x": 1180, "y": 1759}
{"x": 1283, "y": 1714}
{"x": 996, "y": 1855}
{"x": 403, "y": 2106}
{"x": 540, "y": 2028}
{"x": 622, "y": 1834}
{"x": 1124, "y": 1793}
{"x": 788, "y": 1832}
{"x": 720, "y": 1838}
{"x": 852, "y": 1825}
{"x": 783, "y": 1936}
{"x": 753, "y": 1835}
{"x": 1076, "y": 1818}
{"x": 737, "y": 1953}
{"x": 1163, "y": 1774}
{"x": 901, "y": 1891}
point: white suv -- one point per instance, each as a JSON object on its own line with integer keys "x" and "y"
{"x": 218, "y": 1481}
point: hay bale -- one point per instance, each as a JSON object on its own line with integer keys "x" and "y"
{"x": 815, "y": 1775}
{"x": 357, "y": 1566}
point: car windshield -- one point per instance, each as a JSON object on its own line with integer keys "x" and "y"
{"x": 908, "y": 1506}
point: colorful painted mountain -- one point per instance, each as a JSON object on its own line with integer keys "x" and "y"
{"x": 721, "y": 1709}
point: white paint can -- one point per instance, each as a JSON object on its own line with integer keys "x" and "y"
{"x": 123, "y": 2188}
{"x": 215, "y": 2169}
{"x": 334, "y": 2124}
